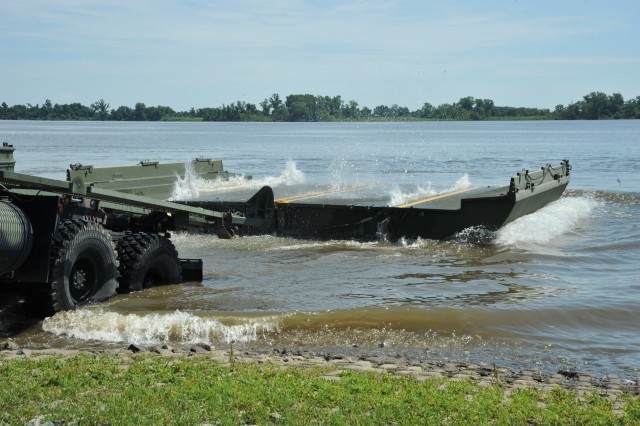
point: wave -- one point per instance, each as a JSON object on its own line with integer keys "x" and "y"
{"x": 624, "y": 198}
{"x": 617, "y": 318}
{"x": 156, "y": 328}
{"x": 548, "y": 223}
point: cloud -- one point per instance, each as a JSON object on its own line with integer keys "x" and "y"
{"x": 196, "y": 52}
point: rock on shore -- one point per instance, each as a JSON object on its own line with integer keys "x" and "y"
{"x": 482, "y": 374}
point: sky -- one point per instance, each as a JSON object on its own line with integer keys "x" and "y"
{"x": 206, "y": 53}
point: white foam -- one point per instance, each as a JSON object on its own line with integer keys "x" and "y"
{"x": 192, "y": 186}
{"x": 462, "y": 183}
{"x": 155, "y": 328}
{"x": 291, "y": 175}
{"x": 187, "y": 188}
{"x": 397, "y": 197}
{"x": 547, "y": 223}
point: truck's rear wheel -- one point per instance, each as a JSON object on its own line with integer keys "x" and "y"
{"x": 83, "y": 269}
{"x": 147, "y": 260}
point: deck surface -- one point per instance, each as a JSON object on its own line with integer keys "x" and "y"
{"x": 362, "y": 195}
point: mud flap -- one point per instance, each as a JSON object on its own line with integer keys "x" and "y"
{"x": 191, "y": 269}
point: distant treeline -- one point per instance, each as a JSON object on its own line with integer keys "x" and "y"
{"x": 594, "y": 106}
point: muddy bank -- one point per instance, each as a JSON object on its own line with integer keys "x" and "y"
{"x": 484, "y": 374}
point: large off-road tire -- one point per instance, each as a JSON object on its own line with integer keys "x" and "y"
{"x": 83, "y": 269}
{"x": 147, "y": 260}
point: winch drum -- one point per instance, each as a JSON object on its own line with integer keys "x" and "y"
{"x": 16, "y": 237}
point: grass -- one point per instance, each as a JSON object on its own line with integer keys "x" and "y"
{"x": 149, "y": 389}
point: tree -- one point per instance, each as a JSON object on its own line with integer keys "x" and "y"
{"x": 250, "y": 109}
{"x": 631, "y": 108}
{"x": 381, "y": 111}
{"x": 351, "y": 110}
{"x": 275, "y": 101}
{"x": 595, "y": 105}
{"x": 306, "y": 107}
{"x": 397, "y": 111}
{"x": 302, "y": 107}
{"x": 615, "y": 106}
{"x": 266, "y": 107}
{"x": 335, "y": 106}
{"x": 559, "y": 110}
{"x": 466, "y": 103}
{"x": 140, "y": 112}
{"x": 446, "y": 112}
{"x": 47, "y": 110}
{"x": 484, "y": 107}
{"x": 100, "y": 109}
{"x": 152, "y": 114}
{"x": 210, "y": 114}
{"x": 426, "y": 111}
{"x": 123, "y": 113}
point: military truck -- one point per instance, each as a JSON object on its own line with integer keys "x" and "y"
{"x": 69, "y": 243}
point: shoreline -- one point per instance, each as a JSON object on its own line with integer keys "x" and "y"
{"x": 482, "y": 374}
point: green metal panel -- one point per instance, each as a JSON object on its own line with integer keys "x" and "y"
{"x": 119, "y": 200}
{"x": 6, "y": 157}
{"x": 147, "y": 178}
{"x": 528, "y": 183}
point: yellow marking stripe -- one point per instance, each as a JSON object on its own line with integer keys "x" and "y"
{"x": 437, "y": 197}
{"x": 318, "y": 194}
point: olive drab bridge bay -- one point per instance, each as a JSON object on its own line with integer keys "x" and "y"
{"x": 106, "y": 230}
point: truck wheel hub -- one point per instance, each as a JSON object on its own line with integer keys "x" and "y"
{"x": 79, "y": 279}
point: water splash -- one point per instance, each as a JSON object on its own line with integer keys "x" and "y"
{"x": 547, "y": 223}
{"x": 192, "y": 186}
{"x": 344, "y": 172}
{"x": 291, "y": 175}
{"x": 462, "y": 183}
{"x": 156, "y": 328}
{"x": 397, "y": 197}
{"x": 475, "y": 235}
{"x": 185, "y": 188}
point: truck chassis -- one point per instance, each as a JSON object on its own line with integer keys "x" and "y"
{"x": 65, "y": 244}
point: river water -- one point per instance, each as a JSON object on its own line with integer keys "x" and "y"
{"x": 556, "y": 289}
